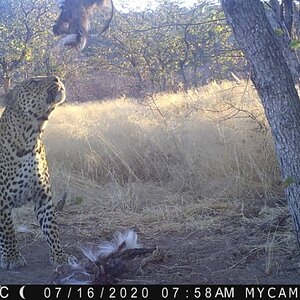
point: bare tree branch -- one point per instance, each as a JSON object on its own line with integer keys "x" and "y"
{"x": 179, "y": 24}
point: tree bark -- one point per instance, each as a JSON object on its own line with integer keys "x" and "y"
{"x": 6, "y": 74}
{"x": 283, "y": 18}
{"x": 274, "y": 83}
{"x": 288, "y": 15}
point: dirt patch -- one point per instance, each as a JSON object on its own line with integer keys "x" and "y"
{"x": 247, "y": 249}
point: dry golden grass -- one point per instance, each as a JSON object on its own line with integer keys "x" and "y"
{"x": 168, "y": 163}
{"x": 191, "y": 164}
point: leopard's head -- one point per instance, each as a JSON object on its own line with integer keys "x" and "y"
{"x": 36, "y": 97}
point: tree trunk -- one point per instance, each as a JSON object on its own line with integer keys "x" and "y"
{"x": 283, "y": 18}
{"x": 6, "y": 83}
{"x": 6, "y": 74}
{"x": 274, "y": 83}
{"x": 288, "y": 15}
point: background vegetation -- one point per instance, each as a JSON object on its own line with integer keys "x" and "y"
{"x": 167, "y": 48}
{"x": 186, "y": 143}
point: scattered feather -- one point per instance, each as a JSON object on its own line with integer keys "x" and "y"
{"x": 73, "y": 262}
{"x": 105, "y": 263}
{"x": 90, "y": 253}
{"x": 120, "y": 242}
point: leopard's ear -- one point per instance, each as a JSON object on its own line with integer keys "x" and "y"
{"x": 8, "y": 99}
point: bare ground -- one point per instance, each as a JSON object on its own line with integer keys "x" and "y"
{"x": 244, "y": 247}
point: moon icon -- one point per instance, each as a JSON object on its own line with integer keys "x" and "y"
{"x": 21, "y": 292}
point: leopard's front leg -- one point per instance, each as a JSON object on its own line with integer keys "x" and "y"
{"x": 11, "y": 258}
{"x": 45, "y": 214}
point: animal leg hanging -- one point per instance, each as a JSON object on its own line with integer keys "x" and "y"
{"x": 74, "y": 20}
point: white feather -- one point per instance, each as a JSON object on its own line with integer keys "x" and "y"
{"x": 120, "y": 242}
{"x": 106, "y": 248}
{"x": 127, "y": 239}
{"x": 90, "y": 253}
{"x": 72, "y": 280}
{"x": 74, "y": 263}
{"x": 130, "y": 238}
